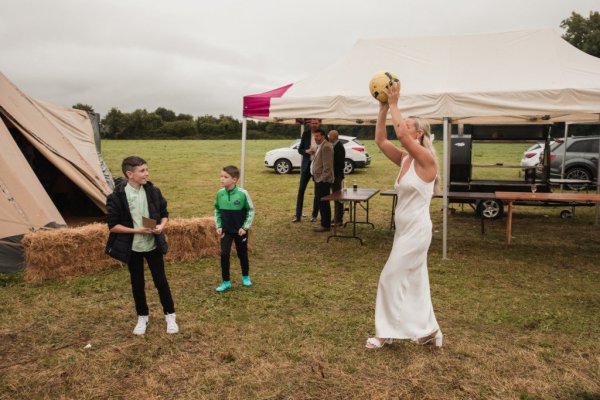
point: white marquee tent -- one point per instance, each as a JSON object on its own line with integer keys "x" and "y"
{"x": 514, "y": 77}
{"x": 501, "y": 77}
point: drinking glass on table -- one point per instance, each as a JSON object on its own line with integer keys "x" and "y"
{"x": 533, "y": 188}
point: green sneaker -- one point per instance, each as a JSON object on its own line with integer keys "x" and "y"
{"x": 225, "y": 285}
{"x": 246, "y": 281}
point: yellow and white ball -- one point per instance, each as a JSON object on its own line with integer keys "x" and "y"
{"x": 381, "y": 81}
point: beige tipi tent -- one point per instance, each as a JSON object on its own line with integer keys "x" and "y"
{"x": 50, "y": 167}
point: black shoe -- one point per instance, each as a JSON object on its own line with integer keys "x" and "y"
{"x": 296, "y": 219}
{"x": 321, "y": 229}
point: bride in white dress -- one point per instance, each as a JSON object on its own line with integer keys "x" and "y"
{"x": 403, "y": 308}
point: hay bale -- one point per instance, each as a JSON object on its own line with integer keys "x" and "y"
{"x": 77, "y": 251}
{"x": 66, "y": 252}
{"x": 192, "y": 238}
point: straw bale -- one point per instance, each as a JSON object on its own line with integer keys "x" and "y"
{"x": 190, "y": 239}
{"x": 66, "y": 252}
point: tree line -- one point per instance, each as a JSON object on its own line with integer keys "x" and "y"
{"x": 163, "y": 123}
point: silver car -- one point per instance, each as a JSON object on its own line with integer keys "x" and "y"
{"x": 581, "y": 160}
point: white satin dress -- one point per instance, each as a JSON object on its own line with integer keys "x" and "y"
{"x": 403, "y": 308}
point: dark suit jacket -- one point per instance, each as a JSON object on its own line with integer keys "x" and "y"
{"x": 339, "y": 155}
{"x": 305, "y": 145}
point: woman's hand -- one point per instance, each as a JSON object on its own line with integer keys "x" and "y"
{"x": 158, "y": 230}
{"x": 393, "y": 94}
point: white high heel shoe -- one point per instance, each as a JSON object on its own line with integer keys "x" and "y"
{"x": 436, "y": 338}
{"x": 376, "y": 343}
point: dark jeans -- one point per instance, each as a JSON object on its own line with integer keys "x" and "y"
{"x": 322, "y": 189}
{"x": 304, "y": 179}
{"x": 157, "y": 269}
{"x": 338, "y": 214}
{"x": 241, "y": 246}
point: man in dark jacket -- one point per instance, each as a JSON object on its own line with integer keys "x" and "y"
{"x": 137, "y": 215}
{"x": 339, "y": 157}
{"x": 307, "y": 148}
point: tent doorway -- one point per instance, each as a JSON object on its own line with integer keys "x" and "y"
{"x": 71, "y": 202}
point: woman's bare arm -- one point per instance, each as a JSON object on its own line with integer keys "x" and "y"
{"x": 387, "y": 147}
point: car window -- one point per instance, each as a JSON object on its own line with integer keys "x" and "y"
{"x": 555, "y": 145}
{"x": 534, "y": 147}
{"x": 584, "y": 146}
{"x": 344, "y": 141}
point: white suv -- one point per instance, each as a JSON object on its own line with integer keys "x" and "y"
{"x": 285, "y": 159}
{"x": 531, "y": 156}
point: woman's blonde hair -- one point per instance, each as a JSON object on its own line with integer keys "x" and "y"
{"x": 425, "y": 140}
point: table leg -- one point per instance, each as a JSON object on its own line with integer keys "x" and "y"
{"x": 509, "y": 222}
{"x": 353, "y": 218}
{"x": 350, "y": 218}
{"x": 394, "y": 202}
{"x": 392, "y": 220}
{"x": 370, "y": 223}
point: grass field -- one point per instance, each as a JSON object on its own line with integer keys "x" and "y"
{"x": 520, "y": 321}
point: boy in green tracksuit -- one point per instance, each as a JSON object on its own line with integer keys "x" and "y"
{"x": 234, "y": 213}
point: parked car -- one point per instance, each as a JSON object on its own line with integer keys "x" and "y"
{"x": 581, "y": 160}
{"x": 531, "y": 156}
{"x": 285, "y": 159}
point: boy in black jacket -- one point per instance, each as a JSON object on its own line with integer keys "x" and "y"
{"x": 130, "y": 241}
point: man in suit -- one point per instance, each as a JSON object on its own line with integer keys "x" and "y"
{"x": 307, "y": 149}
{"x": 339, "y": 156}
{"x": 322, "y": 172}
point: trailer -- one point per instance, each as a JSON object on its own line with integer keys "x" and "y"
{"x": 534, "y": 179}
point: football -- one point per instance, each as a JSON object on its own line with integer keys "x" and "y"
{"x": 381, "y": 81}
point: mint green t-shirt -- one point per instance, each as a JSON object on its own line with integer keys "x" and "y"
{"x": 138, "y": 206}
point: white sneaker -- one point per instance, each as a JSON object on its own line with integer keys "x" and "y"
{"x": 172, "y": 326}
{"x": 142, "y": 323}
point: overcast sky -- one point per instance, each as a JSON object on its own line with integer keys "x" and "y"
{"x": 201, "y": 57}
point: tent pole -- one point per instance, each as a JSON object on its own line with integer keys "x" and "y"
{"x": 562, "y": 168}
{"x": 598, "y": 186}
{"x": 243, "y": 166}
{"x": 445, "y": 187}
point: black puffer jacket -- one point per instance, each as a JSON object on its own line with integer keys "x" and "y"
{"x": 119, "y": 244}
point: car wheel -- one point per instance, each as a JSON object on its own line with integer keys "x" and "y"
{"x": 490, "y": 209}
{"x": 348, "y": 166}
{"x": 578, "y": 173}
{"x": 283, "y": 166}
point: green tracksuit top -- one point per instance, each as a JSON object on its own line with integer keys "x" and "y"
{"x": 233, "y": 210}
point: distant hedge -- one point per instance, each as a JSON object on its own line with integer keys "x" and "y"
{"x": 166, "y": 124}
